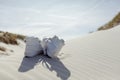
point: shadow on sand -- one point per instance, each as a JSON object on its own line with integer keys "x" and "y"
{"x": 52, "y": 64}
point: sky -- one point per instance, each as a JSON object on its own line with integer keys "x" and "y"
{"x": 65, "y": 18}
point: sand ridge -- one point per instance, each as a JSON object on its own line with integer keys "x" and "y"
{"x": 93, "y": 57}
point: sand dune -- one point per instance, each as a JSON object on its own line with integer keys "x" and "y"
{"x": 93, "y": 57}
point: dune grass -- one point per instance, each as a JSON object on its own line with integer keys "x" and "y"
{"x": 10, "y": 38}
{"x": 114, "y": 22}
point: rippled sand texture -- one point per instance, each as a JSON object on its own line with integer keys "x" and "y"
{"x": 93, "y": 57}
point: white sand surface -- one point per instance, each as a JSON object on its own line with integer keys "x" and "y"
{"x": 92, "y": 57}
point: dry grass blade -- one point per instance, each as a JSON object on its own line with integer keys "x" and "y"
{"x": 2, "y": 48}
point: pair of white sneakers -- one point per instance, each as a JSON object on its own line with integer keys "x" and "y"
{"x": 50, "y": 46}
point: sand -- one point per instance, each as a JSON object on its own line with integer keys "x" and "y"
{"x": 92, "y": 57}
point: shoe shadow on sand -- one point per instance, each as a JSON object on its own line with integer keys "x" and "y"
{"x": 51, "y": 64}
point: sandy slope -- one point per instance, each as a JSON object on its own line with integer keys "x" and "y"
{"x": 93, "y": 57}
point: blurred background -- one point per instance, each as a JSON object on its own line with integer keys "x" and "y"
{"x": 66, "y": 18}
